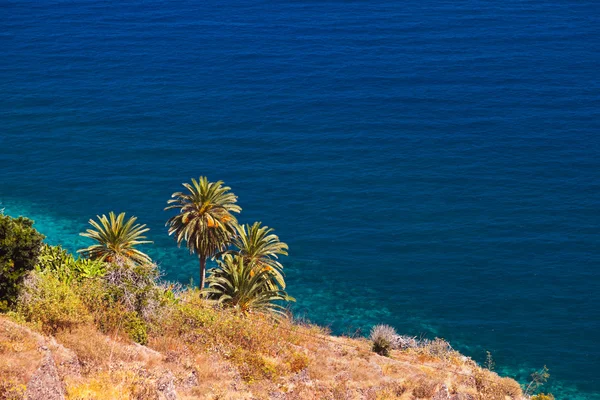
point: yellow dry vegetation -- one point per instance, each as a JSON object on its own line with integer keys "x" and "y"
{"x": 203, "y": 351}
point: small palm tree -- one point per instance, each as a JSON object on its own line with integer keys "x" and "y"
{"x": 116, "y": 240}
{"x": 259, "y": 246}
{"x": 205, "y": 221}
{"x": 241, "y": 285}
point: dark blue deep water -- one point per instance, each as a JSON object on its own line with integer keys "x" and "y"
{"x": 433, "y": 165}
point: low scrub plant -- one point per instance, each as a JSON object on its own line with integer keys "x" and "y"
{"x": 20, "y": 247}
{"x": 511, "y": 388}
{"x": 298, "y": 362}
{"x": 402, "y": 342}
{"x": 66, "y": 268}
{"x": 110, "y": 385}
{"x": 129, "y": 298}
{"x": 543, "y": 396}
{"x": 136, "y": 287}
{"x": 11, "y": 390}
{"x": 96, "y": 351}
{"x": 491, "y": 387}
{"x": 424, "y": 388}
{"x": 51, "y": 303}
{"x": 538, "y": 379}
{"x": 136, "y": 328}
{"x": 383, "y": 338}
{"x": 438, "y": 348}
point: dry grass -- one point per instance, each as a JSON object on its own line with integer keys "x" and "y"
{"x": 97, "y": 352}
{"x": 19, "y": 358}
{"x": 214, "y": 353}
{"x": 121, "y": 384}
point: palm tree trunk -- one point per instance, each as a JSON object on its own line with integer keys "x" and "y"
{"x": 202, "y": 271}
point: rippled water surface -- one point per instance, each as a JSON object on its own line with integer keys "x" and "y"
{"x": 433, "y": 165}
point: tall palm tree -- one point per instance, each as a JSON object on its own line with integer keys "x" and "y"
{"x": 116, "y": 240}
{"x": 259, "y": 246}
{"x": 239, "y": 284}
{"x": 205, "y": 221}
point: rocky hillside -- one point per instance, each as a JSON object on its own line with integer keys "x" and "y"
{"x": 107, "y": 327}
{"x": 207, "y": 353}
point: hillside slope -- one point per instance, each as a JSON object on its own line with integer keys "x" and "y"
{"x": 209, "y": 353}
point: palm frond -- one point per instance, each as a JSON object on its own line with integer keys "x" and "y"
{"x": 205, "y": 220}
{"x": 241, "y": 285}
{"x": 116, "y": 240}
{"x": 259, "y": 246}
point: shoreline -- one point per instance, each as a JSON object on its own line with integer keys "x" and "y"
{"x": 507, "y": 370}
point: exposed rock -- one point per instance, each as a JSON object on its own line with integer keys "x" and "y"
{"x": 45, "y": 384}
{"x": 166, "y": 387}
{"x": 442, "y": 394}
{"x": 302, "y": 377}
{"x": 462, "y": 396}
{"x": 190, "y": 380}
{"x": 277, "y": 396}
{"x": 66, "y": 360}
{"x": 171, "y": 356}
{"x": 146, "y": 351}
{"x": 343, "y": 376}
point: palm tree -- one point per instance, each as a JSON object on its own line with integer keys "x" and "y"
{"x": 116, "y": 240}
{"x": 259, "y": 246}
{"x": 239, "y": 284}
{"x": 204, "y": 220}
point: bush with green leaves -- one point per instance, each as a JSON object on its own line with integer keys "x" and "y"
{"x": 20, "y": 246}
{"x": 383, "y": 338}
{"x": 66, "y": 268}
{"x": 543, "y": 396}
{"x": 136, "y": 328}
{"x": 137, "y": 287}
{"x": 89, "y": 269}
{"x": 50, "y": 302}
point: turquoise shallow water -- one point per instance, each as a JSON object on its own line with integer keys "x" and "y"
{"x": 432, "y": 165}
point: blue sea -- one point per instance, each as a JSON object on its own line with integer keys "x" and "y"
{"x": 433, "y": 165}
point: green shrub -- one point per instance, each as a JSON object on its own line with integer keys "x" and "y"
{"x": 89, "y": 269}
{"x": 543, "y": 396}
{"x": 136, "y": 328}
{"x": 56, "y": 260}
{"x": 20, "y": 246}
{"x": 253, "y": 366}
{"x": 50, "y": 302}
{"x": 132, "y": 291}
{"x": 135, "y": 286}
{"x": 66, "y": 268}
